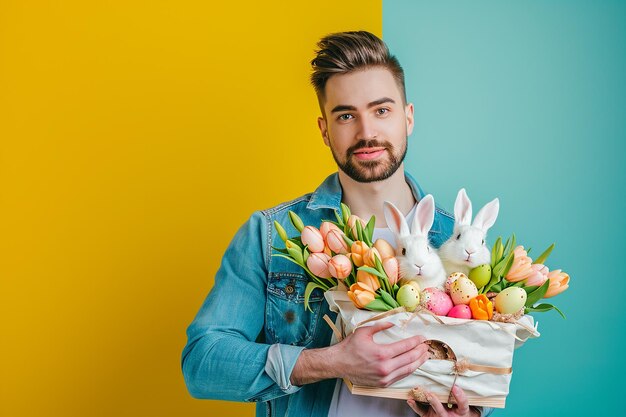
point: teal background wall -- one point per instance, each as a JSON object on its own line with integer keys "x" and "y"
{"x": 527, "y": 101}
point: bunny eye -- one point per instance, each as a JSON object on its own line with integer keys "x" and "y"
{"x": 483, "y": 241}
{"x": 458, "y": 236}
{"x": 428, "y": 248}
{"x": 403, "y": 251}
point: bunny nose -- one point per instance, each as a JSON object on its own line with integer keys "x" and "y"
{"x": 468, "y": 252}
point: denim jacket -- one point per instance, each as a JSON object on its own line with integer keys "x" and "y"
{"x": 257, "y": 304}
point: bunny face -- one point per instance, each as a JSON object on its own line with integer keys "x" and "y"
{"x": 417, "y": 259}
{"x": 467, "y": 248}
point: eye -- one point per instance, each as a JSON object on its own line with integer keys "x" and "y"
{"x": 382, "y": 111}
{"x": 403, "y": 251}
{"x": 458, "y": 236}
{"x": 428, "y": 248}
{"x": 483, "y": 241}
{"x": 345, "y": 117}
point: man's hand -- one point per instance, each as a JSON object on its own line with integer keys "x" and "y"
{"x": 435, "y": 409}
{"x": 361, "y": 360}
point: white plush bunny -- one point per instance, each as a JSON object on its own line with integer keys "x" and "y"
{"x": 417, "y": 259}
{"x": 466, "y": 248}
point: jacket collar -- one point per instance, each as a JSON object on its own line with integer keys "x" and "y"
{"x": 328, "y": 194}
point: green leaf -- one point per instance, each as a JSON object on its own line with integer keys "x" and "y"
{"x": 538, "y": 294}
{"x": 307, "y": 294}
{"x": 378, "y": 305}
{"x": 530, "y": 288}
{"x": 494, "y": 253}
{"x": 542, "y": 258}
{"x": 542, "y": 308}
{"x": 496, "y": 287}
{"x": 508, "y": 265}
{"x": 296, "y": 253}
{"x": 388, "y": 299}
{"x": 280, "y": 255}
{"x": 280, "y": 250}
{"x": 369, "y": 230}
{"x": 345, "y": 212}
{"x": 359, "y": 231}
{"x": 305, "y": 254}
{"x": 348, "y": 241}
{"x": 372, "y": 271}
{"x": 339, "y": 219}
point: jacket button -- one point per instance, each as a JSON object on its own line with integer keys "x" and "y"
{"x": 289, "y": 289}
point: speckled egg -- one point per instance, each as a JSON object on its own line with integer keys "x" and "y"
{"x": 510, "y": 300}
{"x": 451, "y": 278}
{"x": 463, "y": 290}
{"x": 437, "y": 301}
{"x": 462, "y": 311}
{"x": 408, "y": 296}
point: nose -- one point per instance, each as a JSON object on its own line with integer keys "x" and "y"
{"x": 469, "y": 253}
{"x": 367, "y": 129}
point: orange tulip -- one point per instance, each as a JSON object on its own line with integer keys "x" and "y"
{"x": 369, "y": 259}
{"x": 357, "y": 252}
{"x": 559, "y": 282}
{"x": 313, "y": 238}
{"x": 318, "y": 264}
{"x": 361, "y": 294}
{"x": 369, "y": 279}
{"x": 522, "y": 266}
{"x": 326, "y": 227}
{"x": 352, "y": 225}
{"x": 482, "y": 308}
{"x": 336, "y": 243}
{"x": 539, "y": 275}
{"x": 384, "y": 249}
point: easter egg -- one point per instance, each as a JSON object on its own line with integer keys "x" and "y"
{"x": 462, "y": 311}
{"x": 451, "y": 278}
{"x": 408, "y": 296}
{"x": 437, "y": 301}
{"x": 480, "y": 275}
{"x": 462, "y": 291}
{"x": 510, "y": 300}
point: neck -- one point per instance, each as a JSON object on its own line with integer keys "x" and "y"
{"x": 366, "y": 199}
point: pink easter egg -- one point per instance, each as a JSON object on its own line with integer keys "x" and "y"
{"x": 437, "y": 301}
{"x": 461, "y": 311}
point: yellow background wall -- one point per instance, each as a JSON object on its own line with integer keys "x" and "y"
{"x": 135, "y": 138}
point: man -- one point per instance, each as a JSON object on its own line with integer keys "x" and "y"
{"x": 252, "y": 340}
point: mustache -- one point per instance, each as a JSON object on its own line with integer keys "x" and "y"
{"x": 372, "y": 143}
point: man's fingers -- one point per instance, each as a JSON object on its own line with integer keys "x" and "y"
{"x": 401, "y": 346}
{"x": 419, "y": 410}
{"x": 461, "y": 400}
{"x": 377, "y": 327}
{"x": 407, "y": 363}
{"x": 436, "y": 405}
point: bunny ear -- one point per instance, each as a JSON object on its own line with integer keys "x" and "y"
{"x": 395, "y": 219}
{"x": 462, "y": 208}
{"x": 424, "y": 216}
{"x": 487, "y": 215}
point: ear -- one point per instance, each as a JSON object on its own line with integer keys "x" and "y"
{"x": 395, "y": 219}
{"x": 487, "y": 215}
{"x": 462, "y": 208}
{"x": 424, "y": 216}
{"x": 410, "y": 120}
{"x": 321, "y": 123}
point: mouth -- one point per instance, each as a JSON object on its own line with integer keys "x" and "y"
{"x": 366, "y": 154}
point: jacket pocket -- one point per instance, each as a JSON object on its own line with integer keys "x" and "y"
{"x": 287, "y": 320}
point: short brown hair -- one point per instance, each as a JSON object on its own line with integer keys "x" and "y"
{"x": 344, "y": 52}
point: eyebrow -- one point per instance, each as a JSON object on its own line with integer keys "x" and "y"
{"x": 344, "y": 107}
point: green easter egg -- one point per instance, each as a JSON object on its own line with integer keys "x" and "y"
{"x": 408, "y": 296}
{"x": 480, "y": 275}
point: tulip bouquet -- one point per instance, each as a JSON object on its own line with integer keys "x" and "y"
{"x": 341, "y": 253}
{"x": 514, "y": 272}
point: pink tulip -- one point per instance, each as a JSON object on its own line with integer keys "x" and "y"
{"x": 339, "y": 266}
{"x": 390, "y": 265}
{"x": 368, "y": 279}
{"x": 313, "y": 238}
{"x": 559, "y": 282}
{"x": 327, "y": 227}
{"x": 352, "y": 225}
{"x": 384, "y": 249}
{"x": 318, "y": 264}
{"x": 361, "y": 294}
{"x": 521, "y": 268}
{"x": 335, "y": 241}
{"x": 539, "y": 275}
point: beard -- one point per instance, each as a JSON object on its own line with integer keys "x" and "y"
{"x": 375, "y": 170}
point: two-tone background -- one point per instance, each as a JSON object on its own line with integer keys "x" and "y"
{"x": 135, "y": 138}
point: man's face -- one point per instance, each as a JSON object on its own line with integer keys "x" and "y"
{"x": 366, "y": 123}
